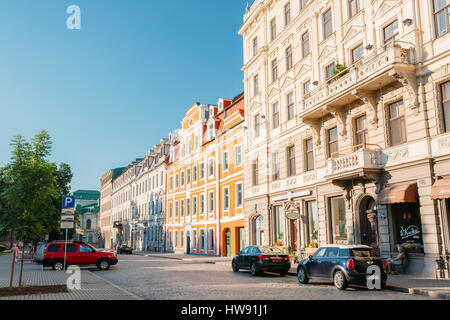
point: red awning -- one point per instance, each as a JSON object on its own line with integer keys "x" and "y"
{"x": 399, "y": 194}
{"x": 441, "y": 189}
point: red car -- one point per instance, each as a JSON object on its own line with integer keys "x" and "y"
{"x": 78, "y": 253}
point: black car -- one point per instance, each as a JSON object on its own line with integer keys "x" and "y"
{"x": 124, "y": 249}
{"x": 341, "y": 265}
{"x": 261, "y": 259}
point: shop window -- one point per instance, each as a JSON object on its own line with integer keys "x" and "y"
{"x": 446, "y": 105}
{"x": 313, "y": 226}
{"x": 408, "y": 226}
{"x": 338, "y": 221}
{"x": 279, "y": 224}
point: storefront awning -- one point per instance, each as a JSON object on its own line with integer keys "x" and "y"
{"x": 441, "y": 189}
{"x": 399, "y": 194}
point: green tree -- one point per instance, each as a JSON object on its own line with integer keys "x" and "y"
{"x": 31, "y": 188}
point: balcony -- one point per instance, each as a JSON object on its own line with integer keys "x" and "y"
{"x": 393, "y": 62}
{"x": 363, "y": 163}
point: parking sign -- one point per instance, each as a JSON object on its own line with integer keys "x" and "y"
{"x": 68, "y": 202}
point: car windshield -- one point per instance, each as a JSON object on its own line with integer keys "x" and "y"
{"x": 364, "y": 253}
{"x": 268, "y": 250}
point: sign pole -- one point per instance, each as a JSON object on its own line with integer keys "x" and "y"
{"x": 65, "y": 250}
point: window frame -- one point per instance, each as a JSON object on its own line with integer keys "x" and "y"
{"x": 309, "y": 166}
{"x": 325, "y": 22}
{"x": 394, "y": 120}
{"x": 436, "y": 12}
{"x": 291, "y": 163}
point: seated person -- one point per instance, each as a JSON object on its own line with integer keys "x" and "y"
{"x": 397, "y": 261}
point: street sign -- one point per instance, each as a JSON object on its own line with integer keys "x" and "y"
{"x": 68, "y": 218}
{"x": 66, "y": 225}
{"x": 68, "y": 211}
{"x": 68, "y": 202}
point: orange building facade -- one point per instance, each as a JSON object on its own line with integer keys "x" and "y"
{"x": 205, "y": 183}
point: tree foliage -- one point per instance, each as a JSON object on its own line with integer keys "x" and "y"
{"x": 31, "y": 188}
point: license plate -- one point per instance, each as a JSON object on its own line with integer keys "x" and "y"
{"x": 276, "y": 260}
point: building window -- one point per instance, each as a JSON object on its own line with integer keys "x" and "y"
{"x": 211, "y": 168}
{"x": 190, "y": 146}
{"x": 287, "y": 14}
{"x": 327, "y": 23}
{"x": 202, "y": 204}
{"x": 279, "y": 223}
{"x": 353, "y": 7}
{"x": 211, "y": 246}
{"x": 305, "y": 44}
{"x": 195, "y": 143}
{"x": 274, "y": 70}
{"x": 306, "y": 88}
{"x": 239, "y": 195}
{"x": 171, "y": 183}
{"x": 202, "y": 171}
{"x": 226, "y": 199}
{"x": 255, "y": 85}
{"x": 194, "y": 206}
{"x": 183, "y": 151}
{"x": 194, "y": 174}
{"x": 211, "y": 202}
{"x": 275, "y": 167}
{"x": 182, "y": 208}
{"x": 361, "y": 131}
{"x": 225, "y": 161}
{"x": 255, "y": 173}
{"x": 188, "y": 207}
{"x": 391, "y": 32}
{"x": 290, "y": 106}
{"x": 194, "y": 239}
{"x": 309, "y": 155}
{"x": 333, "y": 147}
{"x": 357, "y": 53}
{"x": 291, "y": 161}
{"x": 275, "y": 115}
{"x": 289, "y": 61}
{"x": 397, "y": 123}
{"x": 181, "y": 239}
{"x": 255, "y": 46}
{"x": 210, "y": 131}
{"x": 170, "y": 210}
{"x": 338, "y": 221}
{"x": 238, "y": 155}
{"x": 273, "y": 29}
{"x": 257, "y": 125}
{"x": 176, "y": 181}
{"x": 303, "y": 4}
{"x": 202, "y": 239}
{"x": 182, "y": 179}
{"x": 170, "y": 240}
{"x": 442, "y": 16}
{"x": 176, "y": 209}
{"x": 329, "y": 71}
{"x": 313, "y": 225}
{"x": 446, "y": 105}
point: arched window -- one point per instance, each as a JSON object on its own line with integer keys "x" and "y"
{"x": 88, "y": 224}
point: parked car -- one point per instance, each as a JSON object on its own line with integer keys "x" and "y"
{"x": 261, "y": 259}
{"x": 78, "y": 253}
{"x": 341, "y": 265}
{"x": 125, "y": 249}
{"x": 40, "y": 251}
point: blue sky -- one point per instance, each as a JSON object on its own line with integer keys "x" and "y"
{"x": 110, "y": 91}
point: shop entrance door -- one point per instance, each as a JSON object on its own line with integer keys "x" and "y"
{"x": 228, "y": 243}
{"x": 188, "y": 243}
{"x": 368, "y": 222}
{"x": 294, "y": 235}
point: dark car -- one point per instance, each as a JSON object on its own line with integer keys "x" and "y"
{"x": 124, "y": 249}
{"x": 261, "y": 259}
{"x": 40, "y": 251}
{"x": 341, "y": 265}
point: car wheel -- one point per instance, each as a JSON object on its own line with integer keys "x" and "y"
{"x": 58, "y": 265}
{"x": 253, "y": 270}
{"x": 103, "y": 265}
{"x": 340, "y": 281}
{"x": 301, "y": 276}
{"x": 235, "y": 266}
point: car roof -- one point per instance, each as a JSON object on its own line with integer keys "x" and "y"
{"x": 347, "y": 246}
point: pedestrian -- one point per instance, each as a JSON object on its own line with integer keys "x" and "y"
{"x": 398, "y": 260}
{"x": 15, "y": 251}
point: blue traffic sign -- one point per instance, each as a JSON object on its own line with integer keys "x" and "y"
{"x": 68, "y": 202}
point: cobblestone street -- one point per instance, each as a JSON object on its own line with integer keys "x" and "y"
{"x": 161, "y": 279}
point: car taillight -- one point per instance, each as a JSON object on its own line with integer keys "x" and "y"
{"x": 384, "y": 264}
{"x": 287, "y": 258}
{"x": 263, "y": 257}
{"x": 350, "y": 264}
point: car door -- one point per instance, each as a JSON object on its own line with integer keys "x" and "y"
{"x": 329, "y": 261}
{"x": 87, "y": 255}
{"x": 71, "y": 254}
{"x": 314, "y": 265}
{"x": 243, "y": 258}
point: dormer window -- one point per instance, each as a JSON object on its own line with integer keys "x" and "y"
{"x": 220, "y": 104}
{"x": 210, "y": 131}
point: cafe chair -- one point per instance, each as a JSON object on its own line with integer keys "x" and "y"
{"x": 441, "y": 268}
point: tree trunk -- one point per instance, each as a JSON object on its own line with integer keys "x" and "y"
{"x": 12, "y": 269}
{"x": 21, "y": 264}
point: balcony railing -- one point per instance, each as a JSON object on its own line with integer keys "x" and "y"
{"x": 355, "y": 158}
{"x": 384, "y": 58}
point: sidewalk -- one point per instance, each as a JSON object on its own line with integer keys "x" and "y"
{"x": 92, "y": 286}
{"x": 433, "y": 288}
